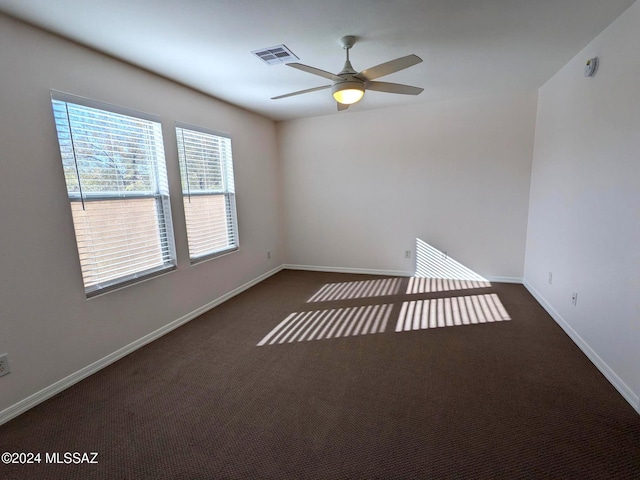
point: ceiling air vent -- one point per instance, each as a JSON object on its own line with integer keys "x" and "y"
{"x": 275, "y": 55}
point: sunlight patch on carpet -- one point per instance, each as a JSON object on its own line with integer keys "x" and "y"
{"x": 429, "y": 285}
{"x": 360, "y": 289}
{"x": 333, "y": 323}
{"x": 450, "y": 312}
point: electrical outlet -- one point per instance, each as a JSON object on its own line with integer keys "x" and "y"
{"x": 268, "y": 254}
{"x": 407, "y": 254}
{"x": 550, "y": 278}
{"x": 574, "y": 298}
{"x": 4, "y": 364}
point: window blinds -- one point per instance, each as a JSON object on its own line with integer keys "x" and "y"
{"x": 117, "y": 184}
{"x": 206, "y": 168}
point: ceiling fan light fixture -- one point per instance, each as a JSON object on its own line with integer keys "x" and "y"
{"x": 348, "y": 86}
{"x": 348, "y": 93}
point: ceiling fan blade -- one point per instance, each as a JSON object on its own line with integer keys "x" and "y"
{"x": 314, "y": 71}
{"x": 388, "y": 67}
{"x": 394, "y": 88}
{"x": 300, "y": 92}
{"x": 342, "y": 106}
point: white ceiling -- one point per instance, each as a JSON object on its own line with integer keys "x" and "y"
{"x": 469, "y": 47}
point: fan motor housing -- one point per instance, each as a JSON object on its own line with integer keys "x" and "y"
{"x": 347, "y": 84}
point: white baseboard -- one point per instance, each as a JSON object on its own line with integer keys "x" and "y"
{"x": 517, "y": 280}
{"x": 48, "y": 392}
{"x": 389, "y": 273}
{"x": 360, "y": 271}
{"x": 600, "y": 364}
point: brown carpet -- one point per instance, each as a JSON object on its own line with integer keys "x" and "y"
{"x": 483, "y": 385}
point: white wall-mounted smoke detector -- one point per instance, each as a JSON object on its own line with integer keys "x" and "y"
{"x": 591, "y": 67}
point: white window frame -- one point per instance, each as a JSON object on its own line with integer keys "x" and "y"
{"x": 103, "y": 283}
{"x": 227, "y": 190}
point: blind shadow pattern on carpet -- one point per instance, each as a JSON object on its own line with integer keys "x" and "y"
{"x": 409, "y": 314}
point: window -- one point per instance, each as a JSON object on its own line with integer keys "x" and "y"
{"x": 206, "y": 169}
{"x": 114, "y": 167}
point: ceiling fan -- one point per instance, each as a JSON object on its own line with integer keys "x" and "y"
{"x": 348, "y": 86}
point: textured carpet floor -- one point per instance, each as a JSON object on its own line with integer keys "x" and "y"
{"x": 353, "y": 378}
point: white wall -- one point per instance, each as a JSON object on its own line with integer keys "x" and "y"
{"x": 584, "y": 219}
{"x": 359, "y": 188}
{"x": 47, "y": 326}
